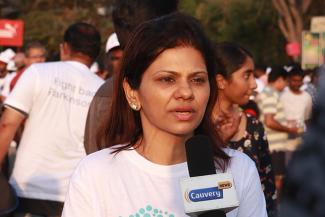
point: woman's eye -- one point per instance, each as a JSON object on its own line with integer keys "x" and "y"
{"x": 167, "y": 79}
{"x": 247, "y": 75}
{"x": 199, "y": 80}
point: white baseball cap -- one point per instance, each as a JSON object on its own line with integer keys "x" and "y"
{"x": 7, "y": 55}
{"x": 11, "y": 66}
{"x": 112, "y": 42}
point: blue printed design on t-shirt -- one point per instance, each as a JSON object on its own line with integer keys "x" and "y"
{"x": 149, "y": 211}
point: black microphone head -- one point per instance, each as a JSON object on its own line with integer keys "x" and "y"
{"x": 200, "y": 157}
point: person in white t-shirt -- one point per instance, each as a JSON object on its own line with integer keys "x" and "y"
{"x": 54, "y": 99}
{"x": 161, "y": 99}
{"x": 297, "y": 103}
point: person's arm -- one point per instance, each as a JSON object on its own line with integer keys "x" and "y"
{"x": 308, "y": 110}
{"x": 18, "y": 104}
{"x": 98, "y": 112}
{"x": 2, "y": 98}
{"x": 9, "y": 123}
{"x": 273, "y": 124}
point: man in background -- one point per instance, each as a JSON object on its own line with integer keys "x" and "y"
{"x": 304, "y": 194}
{"x": 112, "y": 58}
{"x": 297, "y": 103}
{"x": 273, "y": 118}
{"x": 54, "y": 99}
{"x": 35, "y": 52}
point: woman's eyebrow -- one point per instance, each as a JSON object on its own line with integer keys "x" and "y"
{"x": 195, "y": 72}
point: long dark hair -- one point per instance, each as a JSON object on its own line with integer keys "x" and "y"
{"x": 230, "y": 57}
{"x": 149, "y": 40}
{"x": 128, "y": 14}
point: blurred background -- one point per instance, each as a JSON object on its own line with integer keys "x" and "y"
{"x": 265, "y": 27}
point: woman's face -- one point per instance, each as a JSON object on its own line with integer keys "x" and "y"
{"x": 174, "y": 92}
{"x": 241, "y": 84}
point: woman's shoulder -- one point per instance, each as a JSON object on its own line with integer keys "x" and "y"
{"x": 239, "y": 161}
{"x": 98, "y": 160}
{"x": 101, "y": 155}
{"x": 237, "y": 155}
{"x": 242, "y": 168}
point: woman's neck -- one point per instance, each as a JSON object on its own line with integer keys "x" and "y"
{"x": 223, "y": 105}
{"x": 162, "y": 148}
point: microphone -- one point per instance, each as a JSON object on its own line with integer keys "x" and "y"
{"x": 206, "y": 193}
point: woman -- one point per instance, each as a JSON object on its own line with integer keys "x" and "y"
{"x": 236, "y": 83}
{"x": 162, "y": 98}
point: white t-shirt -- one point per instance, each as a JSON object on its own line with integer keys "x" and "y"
{"x": 127, "y": 184}
{"x": 297, "y": 107}
{"x": 56, "y": 98}
{"x": 260, "y": 85}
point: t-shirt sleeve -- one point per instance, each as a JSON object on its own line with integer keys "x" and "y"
{"x": 268, "y": 104}
{"x": 22, "y": 96}
{"x": 78, "y": 201}
{"x": 253, "y": 201}
{"x": 98, "y": 109}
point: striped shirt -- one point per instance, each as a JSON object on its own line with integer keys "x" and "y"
{"x": 268, "y": 102}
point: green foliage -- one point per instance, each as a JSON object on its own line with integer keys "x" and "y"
{"x": 188, "y": 6}
{"x": 250, "y": 23}
{"x": 37, "y": 25}
{"x": 46, "y": 20}
{"x": 254, "y": 25}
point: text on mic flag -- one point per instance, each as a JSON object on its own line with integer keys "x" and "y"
{"x": 209, "y": 192}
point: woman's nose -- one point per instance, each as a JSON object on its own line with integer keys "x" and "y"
{"x": 184, "y": 91}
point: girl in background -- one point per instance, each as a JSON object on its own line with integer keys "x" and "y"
{"x": 236, "y": 83}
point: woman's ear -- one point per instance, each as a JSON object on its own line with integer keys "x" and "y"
{"x": 131, "y": 96}
{"x": 221, "y": 82}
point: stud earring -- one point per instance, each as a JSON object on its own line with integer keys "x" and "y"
{"x": 134, "y": 107}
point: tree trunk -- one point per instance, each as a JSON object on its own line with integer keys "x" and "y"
{"x": 290, "y": 21}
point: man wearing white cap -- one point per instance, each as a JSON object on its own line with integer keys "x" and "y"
{"x": 112, "y": 62}
{"x": 114, "y": 55}
{"x": 112, "y": 59}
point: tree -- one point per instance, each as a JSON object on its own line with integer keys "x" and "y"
{"x": 290, "y": 21}
{"x": 46, "y": 20}
{"x": 250, "y": 23}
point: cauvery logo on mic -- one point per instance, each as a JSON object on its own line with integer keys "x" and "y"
{"x": 204, "y": 194}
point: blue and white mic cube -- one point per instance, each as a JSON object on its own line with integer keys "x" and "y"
{"x": 210, "y": 192}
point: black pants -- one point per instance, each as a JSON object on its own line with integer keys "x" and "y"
{"x": 44, "y": 208}
{"x": 278, "y": 162}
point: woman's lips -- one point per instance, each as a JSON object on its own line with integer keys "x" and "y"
{"x": 184, "y": 113}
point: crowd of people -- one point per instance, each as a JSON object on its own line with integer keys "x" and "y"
{"x": 108, "y": 139}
